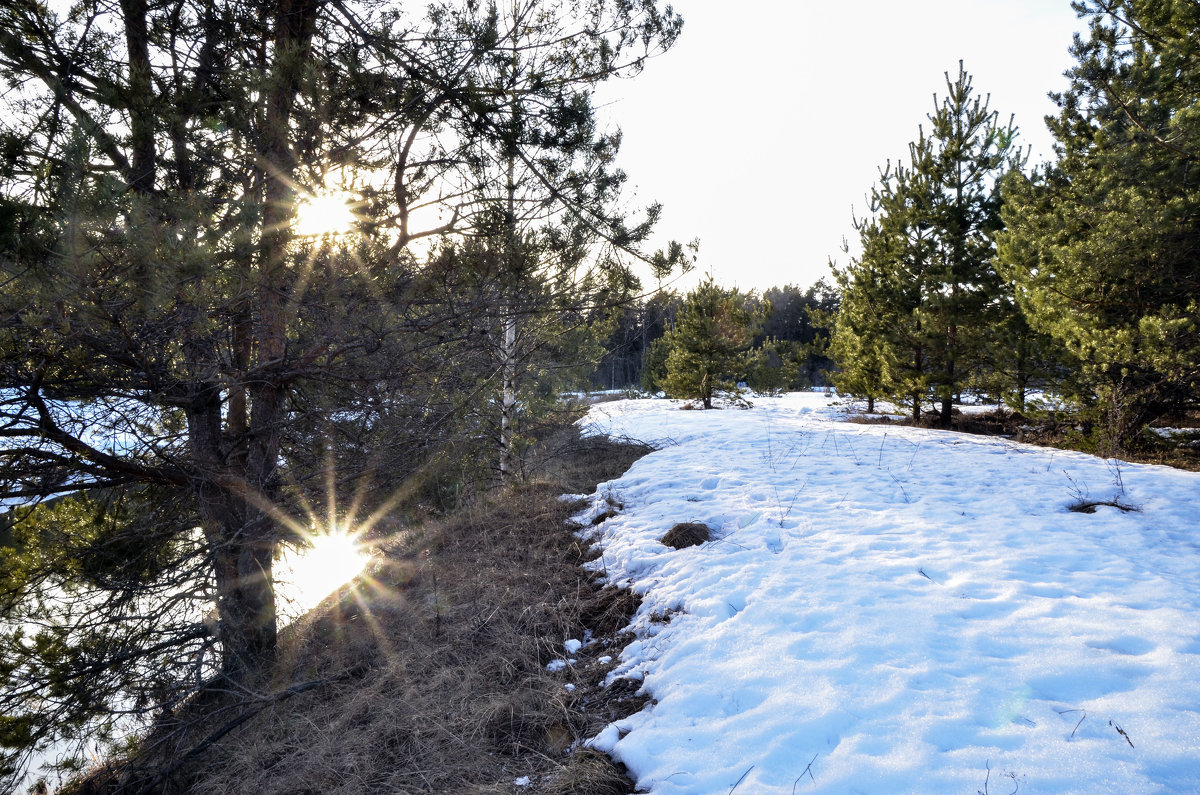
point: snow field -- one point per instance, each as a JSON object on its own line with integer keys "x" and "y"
{"x": 894, "y": 610}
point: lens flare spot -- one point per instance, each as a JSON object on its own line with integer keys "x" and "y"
{"x": 306, "y": 576}
{"x": 324, "y": 214}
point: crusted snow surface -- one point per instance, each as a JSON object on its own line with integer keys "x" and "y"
{"x": 898, "y": 610}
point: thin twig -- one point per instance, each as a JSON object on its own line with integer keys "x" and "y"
{"x": 808, "y": 770}
{"x": 740, "y": 780}
{"x": 1121, "y": 732}
{"x": 1077, "y": 725}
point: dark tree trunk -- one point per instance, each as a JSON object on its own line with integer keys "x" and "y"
{"x": 242, "y": 541}
{"x": 236, "y": 456}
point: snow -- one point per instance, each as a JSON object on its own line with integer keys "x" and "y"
{"x": 897, "y": 610}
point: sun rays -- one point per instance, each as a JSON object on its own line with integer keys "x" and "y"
{"x": 331, "y": 542}
{"x": 305, "y": 576}
{"x": 324, "y": 214}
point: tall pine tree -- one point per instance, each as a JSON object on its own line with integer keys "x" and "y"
{"x": 918, "y": 303}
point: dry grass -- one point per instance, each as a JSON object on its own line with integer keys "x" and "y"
{"x": 686, "y": 534}
{"x": 434, "y": 666}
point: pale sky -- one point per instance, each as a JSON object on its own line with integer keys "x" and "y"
{"x": 769, "y": 119}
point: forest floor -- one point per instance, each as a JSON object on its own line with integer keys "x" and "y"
{"x": 429, "y": 672}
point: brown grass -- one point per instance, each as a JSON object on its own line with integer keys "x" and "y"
{"x": 434, "y": 666}
{"x": 686, "y": 534}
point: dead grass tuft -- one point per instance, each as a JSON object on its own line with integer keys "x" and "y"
{"x": 687, "y": 534}
{"x": 588, "y": 772}
{"x": 576, "y": 464}
{"x": 1090, "y": 506}
{"x": 608, "y": 611}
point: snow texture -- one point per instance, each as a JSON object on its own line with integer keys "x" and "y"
{"x": 896, "y": 610}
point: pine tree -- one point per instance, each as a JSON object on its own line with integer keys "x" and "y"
{"x": 1102, "y": 244}
{"x": 706, "y": 346}
{"x": 177, "y": 355}
{"x": 970, "y": 153}
{"x": 918, "y": 304}
{"x": 883, "y": 336}
{"x": 856, "y": 336}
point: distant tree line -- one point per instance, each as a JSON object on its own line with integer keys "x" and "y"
{"x": 1079, "y": 278}
{"x": 773, "y": 340}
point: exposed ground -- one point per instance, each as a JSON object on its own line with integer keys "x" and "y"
{"x": 429, "y": 674}
{"x": 1180, "y": 450}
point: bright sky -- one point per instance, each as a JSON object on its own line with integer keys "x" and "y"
{"x": 769, "y": 119}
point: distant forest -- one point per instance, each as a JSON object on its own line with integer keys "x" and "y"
{"x": 791, "y": 316}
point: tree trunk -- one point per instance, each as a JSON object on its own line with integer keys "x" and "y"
{"x": 241, "y": 540}
{"x": 508, "y": 394}
{"x": 236, "y": 471}
{"x": 916, "y": 394}
{"x": 246, "y": 601}
{"x": 950, "y": 387}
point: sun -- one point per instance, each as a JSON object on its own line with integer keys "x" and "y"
{"x": 306, "y": 576}
{"x": 324, "y": 214}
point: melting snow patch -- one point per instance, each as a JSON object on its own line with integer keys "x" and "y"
{"x": 898, "y": 609}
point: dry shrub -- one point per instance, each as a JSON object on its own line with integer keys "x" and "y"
{"x": 576, "y": 464}
{"x": 432, "y": 669}
{"x": 687, "y": 534}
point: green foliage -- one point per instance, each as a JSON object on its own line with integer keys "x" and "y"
{"x": 772, "y": 367}
{"x": 100, "y": 594}
{"x": 714, "y": 328}
{"x": 919, "y": 305}
{"x": 188, "y": 381}
{"x": 1101, "y": 244}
